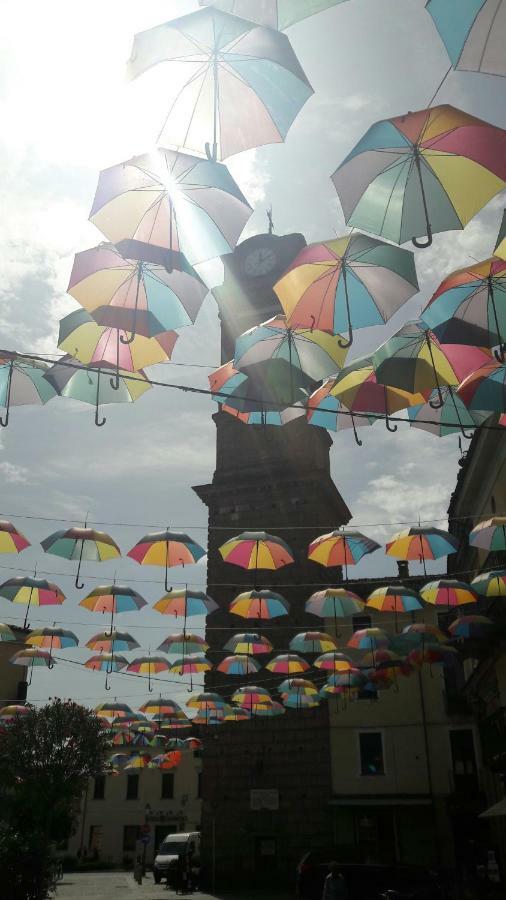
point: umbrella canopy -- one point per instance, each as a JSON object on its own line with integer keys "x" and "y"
{"x": 190, "y": 665}
{"x": 273, "y": 13}
{"x": 172, "y": 200}
{"x": 325, "y": 411}
{"x": 183, "y": 644}
{"x": 485, "y": 389}
{"x": 256, "y": 550}
{"x": 138, "y": 761}
{"x": 394, "y": 598}
{"x": 272, "y": 393}
{"x": 268, "y": 416}
{"x": 22, "y": 383}
{"x": 248, "y": 643}
{"x": 490, "y": 584}
{"x": 251, "y": 697}
{"x": 166, "y": 761}
{"x": 243, "y": 86}
{"x": 433, "y": 655}
{"x": 313, "y": 642}
{"x": 369, "y": 639}
{"x": 316, "y": 353}
{"x": 351, "y": 282}
{"x": 239, "y": 664}
{"x": 469, "y": 306}
{"x": 110, "y": 641}
{"x": 32, "y": 657}
{"x": 300, "y": 701}
{"x": 148, "y": 665}
{"x": 114, "y": 710}
{"x": 106, "y": 662}
{"x": 6, "y": 633}
{"x": 146, "y": 295}
{"x": 82, "y": 544}
{"x": 448, "y": 592}
{"x": 160, "y": 707}
{"x": 13, "y": 710}
{"x": 11, "y": 540}
{"x": 52, "y": 638}
{"x": 334, "y": 602}
{"x": 185, "y": 602}
{"x": 288, "y": 664}
{"x": 301, "y": 686}
{"x": 345, "y": 547}
{"x": 333, "y": 662}
{"x": 271, "y": 711}
{"x": 236, "y": 714}
{"x": 166, "y": 548}
{"x": 32, "y": 591}
{"x": 208, "y": 700}
{"x": 341, "y": 682}
{"x": 113, "y": 598}
{"x": 450, "y": 417}
{"x": 423, "y": 633}
{"x": 472, "y": 32}
{"x": 421, "y": 173}
{"x": 464, "y": 627}
{"x": 421, "y": 543}
{"x": 489, "y": 535}
{"x": 263, "y": 605}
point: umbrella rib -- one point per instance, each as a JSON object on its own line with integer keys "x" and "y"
{"x": 394, "y": 186}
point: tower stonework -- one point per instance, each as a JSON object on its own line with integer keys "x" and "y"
{"x": 266, "y": 782}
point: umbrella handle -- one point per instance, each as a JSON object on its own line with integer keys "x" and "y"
{"x": 97, "y": 422}
{"x": 437, "y": 404}
{"x": 123, "y": 338}
{"x": 115, "y": 382}
{"x": 107, "y": 685}
{"x": 5, "y": 422}
{"x": 355, "y": 435}
{"x": 500, "y": 354}
{"x": 344, "y": 344}
{"x": 425, "y": 243}
{"x": 390, "y": 426}
{"x": 428, "y": 240}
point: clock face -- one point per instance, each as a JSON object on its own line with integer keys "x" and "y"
{"x": 260, "y": 261}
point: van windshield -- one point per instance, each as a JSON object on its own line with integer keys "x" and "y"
{"x": 173, "y": 848}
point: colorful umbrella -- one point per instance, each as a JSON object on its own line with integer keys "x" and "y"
{"x": 118, "y": 759}
{"x": 166, "y": 548}
{"x": 453, "y": 416}
{"x": 184, "y": 644}
{"x": 190, "y": 665}
{"x": 334, "y": 602}
{"x": 22, "y": 383}
{"x": 251, "y": 697}
{"x": 166, "y": 760}
{"x": 250, "y": 644}
{"x": 52, "y": 639}
{"x": 472, "y": 32}
{"x": 448, "y": 592}
{"x": 301, "y": 686}
{"x": 489, "y": 535}
{"x": 342, "y": 682}
{"x": 264, "y": 396}
{"x": 106, "y": 662}
{"x": 485, "y": 389}
{"x": 259, "y": 605}
{"x": 138, "y": 761}
{"x": 464, "y": 627}
{"x": 81, "y": 544}
{"x": 312, "y": 642}
{"x": 30, "y": 658}
{"x": 333, "y": 662}
{"x": 148, "y": 665}
{"x": 316, "y": 353}
{"x": 424, "y": 172}
{"x": 174, "y": 723}
{"x": 110, "y": 641}
{"x": 421, "y": 543}
{"x": 6, "y": 633}
{"x": 11, "y": 540}
{"x": 208, "y": 700}
{"x": 236, "y": 714}
{"x": 325, "y": 411}
{"x": 244, "y": 85}
{"x": 271, "y": 711}
{"x": 150, "y": 294}
{"x": 350, "y": 282}
{"x": 344, "y": 547}
{"x": 490, "y": 584}
{"x": 113, "y": 598}
{"x": 98, "y": 345}
{"x": 13, "y": 710}
{"x": 32, "y": 591}
{"x": 160, "y": 707}
{"x": 394, "y": 598}
{"x": 273, "y": 13}
{"x": 93, "y": 385}
{"x": 256, "y": 550}
{"x": 114, "y": 710}
{"x": 433, "y": 655}
{"x": 421, "y": 633}
{"x": 300, "y": 701}
{"x": 287, "y": 664}
{"x": 268, "y": 416}
{"x": 193, "y": 743}
{"x": 369, "y": 639}
{"x": 185, "y": 602}
{"x": 239, "y": 664}
{"x": 172, "y": 200}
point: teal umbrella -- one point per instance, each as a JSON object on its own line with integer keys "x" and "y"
{"x": 273, "y": 13}
{"x": 22, "y": 383}
{"x": 94, "y": 385}
{"x": 453, "y": 416}
{"x": 472, "y": 32}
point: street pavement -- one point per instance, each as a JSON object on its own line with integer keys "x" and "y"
{"x": 115, "y": 886}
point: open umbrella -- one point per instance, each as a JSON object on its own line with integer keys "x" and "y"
{"x": 110, "y": 641}
{"x": 52, "y": 639}
{"x": 11, "y": 540}
{"x": 239, "y": 664}
{"x": 472, "y": 32}
{"x": 369, "y": 639}
{"x": 152, "y": 293}
{"x": 254, "y": 550}
{"x": 248, "y": 643}
{"x": 325, "y": 411}
{"x": 485, "y": 389}
{"x": 167, "y": 549}
{"x": 236, "y": 714}
{"x": 272, "y": 393}
{"x": 350, "y": 282}
{"x": 32, "y": 591}
{"x": 148, "y": 665}
{"x": 252, "y": 697}
{"x": 160, "y": 707}
{"x": 287, "y": 664}
{"x": 273, "y": 13}
{"x": 421, "y": 173}
{"x": 114, "y": 710}
{"x": 106, "y": 662}
{"x": 93, "y": 385}
{"x": 448, "y": 592}
{"x": 300, "y": 701}
{"x": 166, "y": 761}
{"x": 22, "y": 383}
{"x": 490, "y": 584}
{"x": 190, "y": 665}
{"x": 81, "y": 544}
{"x": 113, "y": 598}
{"x": 490, "y": 534}
{"x": 394, "y": 598}
{"x": 185, "y": 602}
{"x": 208, "y": 700}
{"x": 184, "y": 644}
{"x": 243, "y": 84}
{"x": 453, "y": 416}
{"x": 6, "y": 633}
{"x": 465, "y": 627}
{"x": 421, "y": 543}
{"x": 313, "y": 642}
{"x": 344, "y": 547}
{"x": 259, "y": 605}
{"x": 336, "y": 603}
{"x": 30, "y": 658}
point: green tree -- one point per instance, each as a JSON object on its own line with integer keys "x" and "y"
{"x": 46, "y": 758}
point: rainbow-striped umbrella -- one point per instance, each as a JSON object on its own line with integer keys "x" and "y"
{"x": 81, "y": 544}
{"x": 269, "y": 712}
{"x": 287, "y": 664}
{"x": 190, "y": 665}
{"x": 333, "y": 662}
{"x": 472, "y": 33}
{"x": 251, "y": 697}
{"x": 209, "y": 719}
{"x": 148, "y": 296}
{"x": 249, "y": 643}
{"x": 421, "y": 543}
{"x": 485, "y": 389}
{"x": 6, "y": 633}
{"x": 185, "y": 602}
{"x": 32, "y": 591}
{"x": 450, "y": 417}
{"x": 165, "y": 761}
{"x": 114, "y": 710}
{"x": 344, "y": 547}
{"x": 256, "y": 550}
{"x": 394, "y": 598}
{"x": 325, "y": 411}
{"x": 338, "y": 603}
{"x": 349, "y": 282}
{"x": 421, "y": 633}
{"x": 239, "y": 664}
{"x": 110, "y": 641}
{"x": 421, "y": 173}
{"x": 184, "y": 644}
{"x": 448, "y": 592}
{"x": 236, "y": 714}
{"x": 11, "y": 540}
{"x": 106, "y": 662}
{"x": 174, "y": 723}
{"x": 259, "y": 605}
{"x": 313, "y": 642}
{"x": 369, "y": 639}
{"x": 161, "y": 706}
{"x": 166, "y": 548}
{"x": 433, "y": 655}
{"x": 118, "y": 760}
{"x": 30, "y": 658}
{"x": 343, "y": 682}
{"x": 208, "y": 700}
{"x": 138, "y": 761}
{"x": 471, "y": 627}
{"x": 260, "y": 400}
{"x": 193, "y": 743}
{"x": 300, "y": 701}
{"x": 489, "y": 535}
{"x": 301, "y": 686}
{"x": 148, "y": 665}
{"x": 22, "y": 383}
{"x": 273, "y": 13}
{"x": 244, "y": 85}
{"x": 490, "y": 584}
{"x": 52, "y": 639}
{"x": 12, "y": 711}
{"x": 113, "y": 598}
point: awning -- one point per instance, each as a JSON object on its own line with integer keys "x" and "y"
{"x": 498, "y": 809}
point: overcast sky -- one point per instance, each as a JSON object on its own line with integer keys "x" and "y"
{"x": 67, "y": 112}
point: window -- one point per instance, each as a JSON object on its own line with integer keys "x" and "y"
{"x": 167, "y": 786}
{"x": 132, "y": 792}
{"x": 359, "y": 622}
{"x": 99, "y": 788}
{"x": 371, "y": 753}
{"x": 199, "y": 785}
{"x": 130, "y": 835}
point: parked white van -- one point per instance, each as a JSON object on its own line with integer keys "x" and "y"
{"x": 172, "y": 847}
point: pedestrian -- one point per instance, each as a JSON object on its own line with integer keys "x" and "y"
{"x": 334, "y": 887}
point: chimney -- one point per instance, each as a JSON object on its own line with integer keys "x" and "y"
{"x": 403, "y": 567}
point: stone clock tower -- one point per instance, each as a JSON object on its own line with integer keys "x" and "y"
{"x": 266, "y": 783}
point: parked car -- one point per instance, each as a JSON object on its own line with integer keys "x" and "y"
{"x": 365, "y": 882}
{"x": 172, "y": 847}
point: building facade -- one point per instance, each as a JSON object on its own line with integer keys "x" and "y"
{"x": 13, "y": 679}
